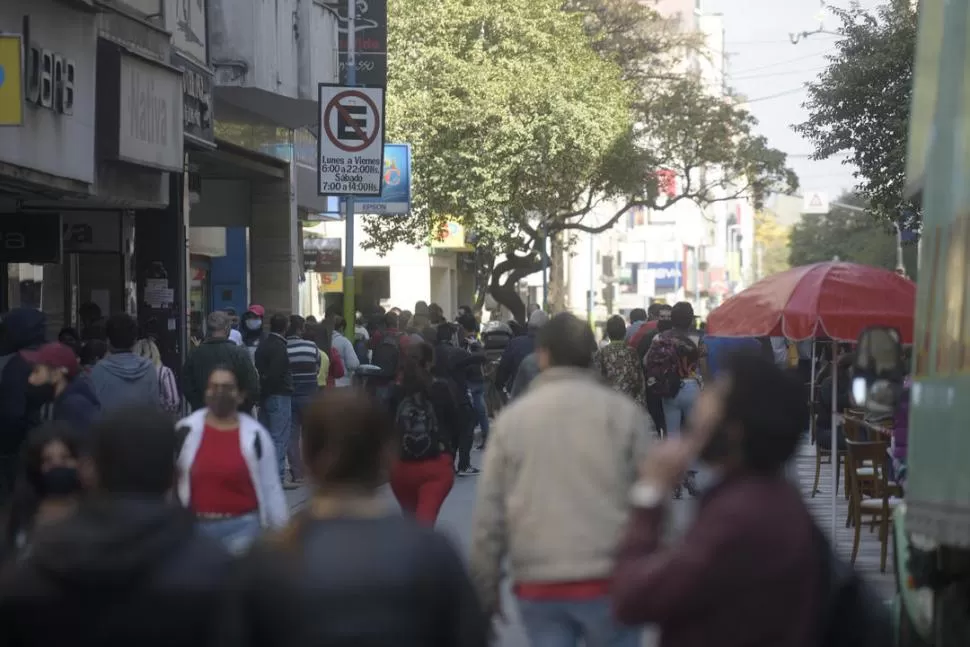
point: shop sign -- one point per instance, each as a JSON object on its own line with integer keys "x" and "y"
{"x": 331, "y": 282}
{"x": 667, "y": 276}
{"x": 50, "y": 79}
{"x": 33, "y": 238}
{"x": 11, "y": 81}
{"x": 150, "y": 115}
{"x": 395, "y": 184}
{"x": 186, "y": 19}
{"x": 91, "y": 231}
{"x": 197, "y": 122}
{"x": 370, "y": 29}
{"x": 322, "y": 254}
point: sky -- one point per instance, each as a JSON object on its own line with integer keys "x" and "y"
{"x": 771, "y": 72}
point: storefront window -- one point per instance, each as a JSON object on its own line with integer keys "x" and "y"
{"x": 36, "y": 286}
{"x": 198, "y": 302}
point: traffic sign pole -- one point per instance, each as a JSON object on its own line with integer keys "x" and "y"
{"x": 350, "y": 308}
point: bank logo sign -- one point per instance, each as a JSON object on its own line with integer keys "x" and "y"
{"x": 11, "y": 81}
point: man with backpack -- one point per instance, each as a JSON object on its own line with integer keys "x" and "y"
{"x": 389, "y": 352}
{"x": 452, "y": 366}
{"x": 672, "y": 367}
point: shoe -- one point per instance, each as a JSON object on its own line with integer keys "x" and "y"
{"x": 469, "y": 471}
{"x": 480, "y": 446}
{"x": 292, "y": 484}
{"x": 678, "y": 492}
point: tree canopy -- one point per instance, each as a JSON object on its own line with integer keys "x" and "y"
{"x": 853, "y": 236}
{"x": 526, "y": 116}
{"x": 860, "y": 103}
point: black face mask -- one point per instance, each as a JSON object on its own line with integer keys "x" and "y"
{"x": 60, "y": 481}
{"x": 40, "y": 394}
{"x": 221, "y": 404}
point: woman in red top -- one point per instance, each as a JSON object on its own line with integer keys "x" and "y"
{"x": 227, "y": 464}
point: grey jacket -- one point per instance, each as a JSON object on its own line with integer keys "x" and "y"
{"x": 528, "y": 370}
{"x": 553, "y": 494}
{"x": 125, "y": 380}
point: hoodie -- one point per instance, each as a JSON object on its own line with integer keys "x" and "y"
{"x": 119, "y": 572}
{"x": 24, "y": 328}
{"x": 77, "y": 404}
{"x": 124, "y": 380}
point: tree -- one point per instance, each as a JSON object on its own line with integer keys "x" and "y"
{"x": 852, "y": 236}
{"x": 860, "y": 104}
{"x": 772, "y": 241}
{"x": 524, "y": 118}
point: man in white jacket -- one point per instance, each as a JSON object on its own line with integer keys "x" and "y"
{"x": 553, "y": 495}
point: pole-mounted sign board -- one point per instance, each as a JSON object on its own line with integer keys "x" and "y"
{"x": 351, "y": 155}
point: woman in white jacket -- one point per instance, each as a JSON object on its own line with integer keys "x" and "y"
{"x": 228, "y": 474}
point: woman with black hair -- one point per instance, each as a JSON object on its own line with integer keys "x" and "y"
{"x": 47, "y": 485}
{"x": 426, "y": 413}
{"x": 348, "y": 570}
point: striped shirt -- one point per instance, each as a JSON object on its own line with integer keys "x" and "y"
{"x": 304, "y": 365}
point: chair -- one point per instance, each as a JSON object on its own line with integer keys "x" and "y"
{"x": 872, "y": 497}
{"x": 824, "y": 457}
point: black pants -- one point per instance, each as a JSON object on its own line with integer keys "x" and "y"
{"x": 466, "y": 437}
{"x": 655, "y": 407}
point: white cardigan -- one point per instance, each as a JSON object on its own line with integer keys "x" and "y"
{"x": 264, "y": 471}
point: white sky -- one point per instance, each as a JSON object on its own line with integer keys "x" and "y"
{"x": 762, "y": 63}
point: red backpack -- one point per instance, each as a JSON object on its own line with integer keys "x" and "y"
{"x": 662, "y": 367}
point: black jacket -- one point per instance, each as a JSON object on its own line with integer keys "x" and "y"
{"x": 273, "y": 366}
{"x": 519, "y": 348}
{"x": 77, "y": 404}
{"x": 210, "y": 354}
{"x": 367, "y": 582}
{"x": 118, "y": 573}
{"x": 23, "y": 328}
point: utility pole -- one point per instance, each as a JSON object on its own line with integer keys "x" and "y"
{"x": 350, "y": 308}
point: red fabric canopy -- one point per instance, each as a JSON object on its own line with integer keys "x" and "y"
{"x": 826, "y": 300}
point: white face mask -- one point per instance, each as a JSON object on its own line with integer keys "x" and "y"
{"x": 254, "y": 324}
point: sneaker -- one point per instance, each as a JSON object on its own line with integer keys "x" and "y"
{"x": 469, "y": 471}
{"x": 690, "y": 483}
{"x": 292, "y": 484}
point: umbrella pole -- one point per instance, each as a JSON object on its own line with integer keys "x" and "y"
{"x": 811, "y": 391}
{"x": 835, "y": 437}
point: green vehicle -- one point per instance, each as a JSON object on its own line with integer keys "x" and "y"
{"x": 932, "y": 528}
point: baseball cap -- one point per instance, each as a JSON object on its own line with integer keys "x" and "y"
{"x": 257, "y": 310}
{"x": 53, "y": 355}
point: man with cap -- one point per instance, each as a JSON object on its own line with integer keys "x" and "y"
{"x": 56, "y": 374}
{"x": 519, "y": 348}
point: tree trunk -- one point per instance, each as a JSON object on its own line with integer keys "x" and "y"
{"x": 504, "y": 279}
{"x": 557, "y": 274}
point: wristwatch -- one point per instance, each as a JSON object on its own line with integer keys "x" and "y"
{"x": 646, "y": 495}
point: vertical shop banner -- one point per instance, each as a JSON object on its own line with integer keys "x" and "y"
{"x": 371, "y": 41}
{"x": 322, "y": 255}
{"x": 395, "y": 197}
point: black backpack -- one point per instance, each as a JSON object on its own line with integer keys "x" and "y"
{"x": 387, "y": 355}
{"x": 418, "y": 424}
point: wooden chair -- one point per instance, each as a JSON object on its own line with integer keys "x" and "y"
{"x": 824, "y": 457}
{"x": 872, "y": 497}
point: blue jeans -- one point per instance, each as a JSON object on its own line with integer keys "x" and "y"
{"x": 297, "y": 404}
{"x": 677, "y": 408}
{"x": 275, "y": 414}
{"x": 477, "y": 392}
{"x": 237, "y": 534}
{"x": 564, "y": 623}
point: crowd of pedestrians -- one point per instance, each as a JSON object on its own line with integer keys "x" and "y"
{"x": 125, "y": 526}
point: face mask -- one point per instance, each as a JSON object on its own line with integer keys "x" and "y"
{"x": 221, "y": 404}
{"x": 254, "y": 324}
{"x": 60, "y": 481}
{"x": 43, "y": 393}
